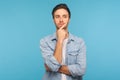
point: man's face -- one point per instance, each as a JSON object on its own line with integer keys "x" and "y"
{"x": 61, "y": 18}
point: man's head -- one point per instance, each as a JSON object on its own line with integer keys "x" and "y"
{"x": 61, "y": 15}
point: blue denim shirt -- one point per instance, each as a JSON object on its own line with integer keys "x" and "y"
{"x": 75, "y": 57}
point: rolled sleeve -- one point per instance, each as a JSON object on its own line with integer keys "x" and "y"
{"x": 79, "y": 68}
{"x": 47, "y": 54}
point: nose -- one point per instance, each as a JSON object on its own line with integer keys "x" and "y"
{"x": 61, "y": 19}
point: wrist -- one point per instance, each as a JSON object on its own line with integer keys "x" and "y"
{"x": 60, "y": 41}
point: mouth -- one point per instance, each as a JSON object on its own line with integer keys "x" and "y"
{"x": 61, "y": 24}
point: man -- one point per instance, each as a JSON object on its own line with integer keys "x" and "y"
{"x": 64, "y": 54}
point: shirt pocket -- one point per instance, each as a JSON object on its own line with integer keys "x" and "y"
{"x": 72, "y": 57}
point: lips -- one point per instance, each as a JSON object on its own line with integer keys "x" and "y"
{"x": 61, "y": 24}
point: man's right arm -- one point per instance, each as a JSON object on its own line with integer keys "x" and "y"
{"x": 53, "y": 58}
{"x": 57, "y": 54}
{"x": 49, "y": 59}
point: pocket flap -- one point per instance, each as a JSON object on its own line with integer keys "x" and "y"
{"x": 73, "y": 52}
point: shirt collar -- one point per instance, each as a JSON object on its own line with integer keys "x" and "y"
{"x": 70, "y": 38}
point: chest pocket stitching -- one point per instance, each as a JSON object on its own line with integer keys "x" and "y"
{"x": 73, "y": 53}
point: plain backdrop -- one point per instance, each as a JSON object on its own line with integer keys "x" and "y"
{"x": 24, "y": 22}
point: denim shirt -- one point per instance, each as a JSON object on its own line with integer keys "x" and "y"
{"x": 75, "y": 57}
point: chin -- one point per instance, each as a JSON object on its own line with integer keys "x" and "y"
{"x": 58, "y": 27}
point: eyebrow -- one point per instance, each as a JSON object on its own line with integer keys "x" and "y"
{"x": 62, "y": 15}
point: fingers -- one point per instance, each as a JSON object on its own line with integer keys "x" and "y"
{"x": 62, "y": 27}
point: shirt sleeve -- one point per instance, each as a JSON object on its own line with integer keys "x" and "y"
{"x": 78, "y": 69}
{"x": 47, "y": 54}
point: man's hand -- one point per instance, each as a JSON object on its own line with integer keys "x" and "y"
{"x": 64, "y": 69}
{"x": 61, "y": 34}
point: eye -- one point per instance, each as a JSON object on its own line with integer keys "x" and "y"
{"x": 57, "y": 16}
{"x": 65, "y": 16}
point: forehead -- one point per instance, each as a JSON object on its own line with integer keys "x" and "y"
{"x": 61, "y": 12}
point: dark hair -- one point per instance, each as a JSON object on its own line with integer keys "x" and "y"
{"x": 61, "y": 6}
